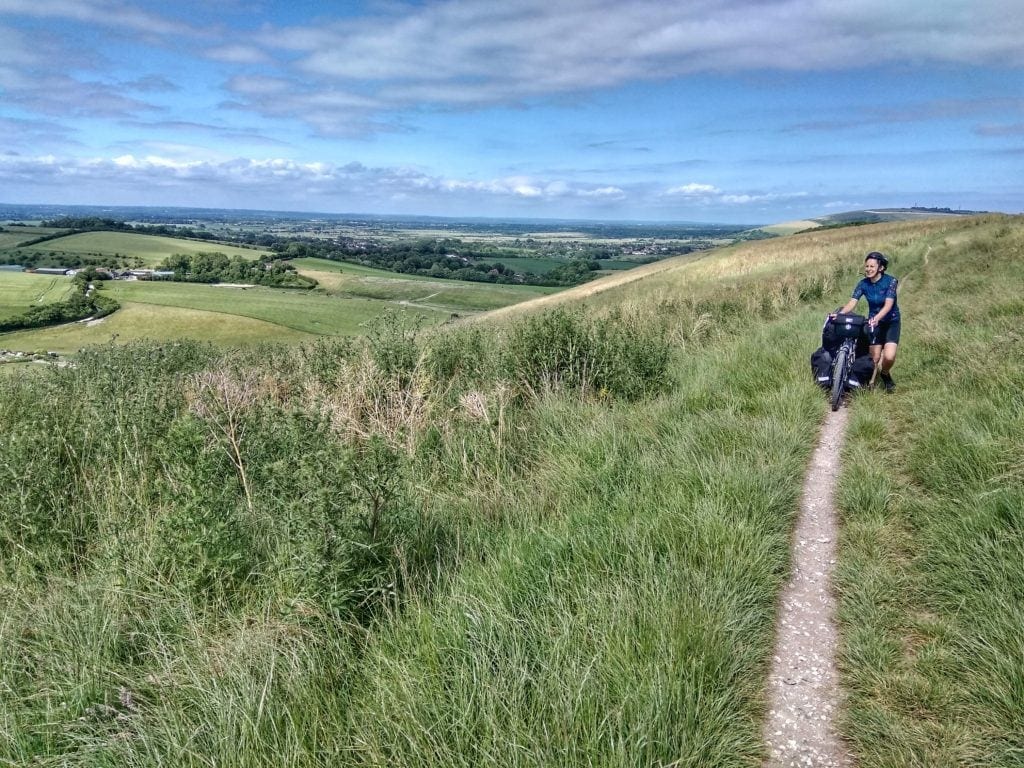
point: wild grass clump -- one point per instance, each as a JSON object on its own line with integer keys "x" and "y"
{"x": 607, "y": 356}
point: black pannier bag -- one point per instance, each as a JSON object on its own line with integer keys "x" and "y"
{"x": 848, "y": 326}
{"x": 821, "y": 366}
{"x": 862, "y": 370}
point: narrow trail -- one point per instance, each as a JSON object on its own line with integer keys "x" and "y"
{"x": 803, "y": 687}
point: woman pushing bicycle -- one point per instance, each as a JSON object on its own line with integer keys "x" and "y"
{"x": 884, "y": 320}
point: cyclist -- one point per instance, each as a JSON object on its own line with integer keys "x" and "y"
{"x": 884, "y": 319}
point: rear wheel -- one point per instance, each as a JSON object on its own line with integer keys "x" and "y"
{"x": 839, "y": 377}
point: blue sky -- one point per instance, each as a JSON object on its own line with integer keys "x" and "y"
{"x": 706, "y": 110}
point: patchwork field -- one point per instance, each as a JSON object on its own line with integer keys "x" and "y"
{"x": 20, "y": 290}
{"x": 151, "y": 249}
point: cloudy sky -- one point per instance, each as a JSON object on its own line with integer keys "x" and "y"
{"x": 746, "y": 111}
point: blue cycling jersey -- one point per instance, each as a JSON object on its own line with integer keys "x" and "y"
{"x": 876, "y": 293}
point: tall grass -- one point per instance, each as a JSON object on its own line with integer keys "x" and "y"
{"x": 932, "y": 495}
{"x": 527, "y": 545}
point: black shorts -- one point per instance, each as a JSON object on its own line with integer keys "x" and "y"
{"x": 885, "y": 333}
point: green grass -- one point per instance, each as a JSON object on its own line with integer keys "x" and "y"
{"x": 338, "y": 555}
{"x": 354, "y": 270}
{"x": 931, "y": 576}
{"x": 137, "y": 322}
{"x": 11, "y": 239}
{"x": 167, "y": 310}
{"x": 21, "y": 290}
{"x": 349, "y": 296}
{"x": 447, "y": 295}
{"x": 152, "y": 249}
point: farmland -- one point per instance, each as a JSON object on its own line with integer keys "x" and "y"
{"x": 19, "y": 290}
{"x": 453, "y": 296}
{"x": 348, "y": 295}
{"x": 149, "y": 250}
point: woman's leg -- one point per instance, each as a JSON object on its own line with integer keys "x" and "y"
{"x": 888, "y": 356}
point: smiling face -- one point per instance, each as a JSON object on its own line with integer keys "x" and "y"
{"x": 872, "y": 269}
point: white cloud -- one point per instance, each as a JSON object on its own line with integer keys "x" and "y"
{"x": 693, "y": 190}
{"x": 460, "y": 52}
{"x": 349, "y": 75}
{"x": 708, "y": 194}
{"x": 290, "y": 178}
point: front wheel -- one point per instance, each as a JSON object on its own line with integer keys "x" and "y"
{"x": 839, "y": 377}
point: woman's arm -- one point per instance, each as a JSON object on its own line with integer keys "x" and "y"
{"x": 849, "y": 306}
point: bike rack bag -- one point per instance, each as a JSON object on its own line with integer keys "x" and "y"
{"x": 849, "y": 326}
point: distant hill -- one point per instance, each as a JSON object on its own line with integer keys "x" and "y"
{"x": 866, "y": 216}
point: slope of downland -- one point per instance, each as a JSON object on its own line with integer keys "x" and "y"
{"x": 552, "y": 579}
{"x": 628, "y": 612}
{"x": 932, "y": 559}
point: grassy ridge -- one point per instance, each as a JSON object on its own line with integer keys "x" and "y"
{"x": 932, "y": 496}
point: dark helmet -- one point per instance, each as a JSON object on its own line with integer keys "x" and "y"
{"x": 883, "y": 262}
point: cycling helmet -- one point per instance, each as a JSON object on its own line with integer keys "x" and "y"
{"x": 883, "y": 262}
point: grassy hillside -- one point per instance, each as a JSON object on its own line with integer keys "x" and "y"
{"x": 932, "y": 557}
{"x": 556, "y": 538}
{"x": 353, "y": 280}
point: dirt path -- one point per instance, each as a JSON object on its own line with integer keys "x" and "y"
{"x": 803, "y": 693}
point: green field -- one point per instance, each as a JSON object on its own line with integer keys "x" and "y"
{"x": 20, "y": 290}
{"x": 159, "y": 310}
{"x": 350, "y": 295}
{"x": 446, "y": 295}
{"x": 11, "y": 239}
{"x": 151, "y": 249}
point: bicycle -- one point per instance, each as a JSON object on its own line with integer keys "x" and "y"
{"x": 848, "y": 327}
